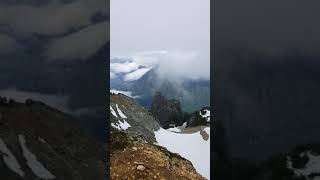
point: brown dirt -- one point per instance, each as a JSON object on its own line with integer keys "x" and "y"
{"x": 147, "y": 161}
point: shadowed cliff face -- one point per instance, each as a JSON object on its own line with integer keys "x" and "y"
{"x": 169, "y": 114}
{"x": 164, "y": 110}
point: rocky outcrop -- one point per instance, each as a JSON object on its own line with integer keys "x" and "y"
{"x": 39, "y": 142}
{"x": 168, "y": 113}
{"x": 127, "y": 115}
{"x": 132, "y": 159}
{"x": 165, "y": 111}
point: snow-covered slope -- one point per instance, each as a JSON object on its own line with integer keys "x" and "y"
{"x": 191, "y": 143}
{"x": 127, "y": 115}
{"x": 39, "y": 142}
{"x": 192, "y": 146}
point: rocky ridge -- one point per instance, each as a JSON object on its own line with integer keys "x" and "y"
{"x": 133, "y": 159}
{"x": 124, "y": 110}
{"x": 39, "y": 142}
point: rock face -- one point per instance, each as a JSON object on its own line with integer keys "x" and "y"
{"x": 168, "y": 113}
{"x": 136, "y": 160}
{"x": 133, "y": 153}
{"x": 39, "y": 142}
{"x": 165, "y": 110}
{"x": 127, "y": 115}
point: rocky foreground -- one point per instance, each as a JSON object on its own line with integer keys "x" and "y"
{"x": 133, "y": 158}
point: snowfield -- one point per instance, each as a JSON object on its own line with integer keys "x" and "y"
{"x": 190, "y": 146}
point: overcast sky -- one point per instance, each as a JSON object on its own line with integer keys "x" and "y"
{"x": 147, "y": 28}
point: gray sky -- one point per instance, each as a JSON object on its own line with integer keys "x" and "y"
{"x": 179, "y": 27}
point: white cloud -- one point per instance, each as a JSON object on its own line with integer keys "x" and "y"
{"x": 123, "y": 67}
{"x": 53, "y": 18}
{"x": 171, "y": 64}
{"x": 79, "y": 45}
{"x": 172, "y": 35}
{"x": 135, "y": 75}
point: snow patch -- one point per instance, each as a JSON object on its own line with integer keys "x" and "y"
{"x": 174, "y": 129}
{"x": 135, "y": 75}
{"x": 312, "y": 166}
{"x": 113, "y": 112}
{"x": 206, "y": 114}
{"x": 190, "y": 146}
{"x": 37, "y": 168}
{"x": 121, "y": 125}
{"x": 127, "y": 93}
{"x": 9, "y": 159}
{"x": 120, "y": 112}
{"x": 126, "y": 67}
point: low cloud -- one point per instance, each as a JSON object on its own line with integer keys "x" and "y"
{"x": 135, "y": 75}
{"x": 53, "y": 18}
{"x": 123, "y": 67}
{"x": 79, "y": 45}
{"x": 175, "y": 64}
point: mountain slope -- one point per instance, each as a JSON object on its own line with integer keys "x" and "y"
{"x": 125, "y": 110}
{"x": 135, "y": 121}
{"x": 37, "y": 141}
{"x": 136, "y": 160}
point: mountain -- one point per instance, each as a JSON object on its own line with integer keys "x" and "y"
{"x": 192, "y": 93}
{"x": 145, "y": 131}
{"x": 125, "y": 113}
{"x": 39, "y": 142}
{"x": 73, "y": 78}
{"x": 169, "y": 114}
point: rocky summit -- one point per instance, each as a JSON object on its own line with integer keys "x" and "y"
{"x": 39, "y": 142}
{"x": 131, "y": 159}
